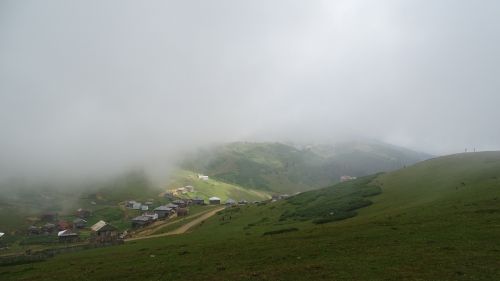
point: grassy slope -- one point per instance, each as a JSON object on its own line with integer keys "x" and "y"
{"x": 437, "y": 220}
{"x": 286, "y": 169}
{"x": 213, "y": 187}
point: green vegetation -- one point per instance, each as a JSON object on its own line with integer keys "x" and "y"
{"x": 212, "y": 187}
{"x": 437, "y": 220}
{"x": 282, "y": 168}
{"x": 332, "y": 203}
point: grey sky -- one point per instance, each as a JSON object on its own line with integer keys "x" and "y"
{"x": 88, "y": 86}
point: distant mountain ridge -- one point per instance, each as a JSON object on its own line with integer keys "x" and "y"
{"x": 287, "y": 168}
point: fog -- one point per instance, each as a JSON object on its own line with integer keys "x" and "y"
{"x": 96, "y": 87}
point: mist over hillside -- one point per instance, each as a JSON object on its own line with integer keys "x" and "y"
{"x": 88, "y": 91}
{"x": 289, "y": 168}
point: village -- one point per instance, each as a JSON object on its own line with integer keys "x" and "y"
{"x": 143, "y": 217}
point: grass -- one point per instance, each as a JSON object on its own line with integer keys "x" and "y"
{"x": 212, "y": 187}
{"x": 437, "y": 220}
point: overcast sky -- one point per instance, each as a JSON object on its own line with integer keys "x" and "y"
{"x": 101, "y": 85}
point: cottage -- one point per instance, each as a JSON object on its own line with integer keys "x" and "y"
{"x": 172, "y": 206}
{"x": 181, "y": 212}
{"x": 134, "y": 205}
{"x": 102, "y": 232}
{"x": 141, "y": 221}
{"x": 163, "y": 212}
{"x": 33, "y": 230}
{"x": 48, "y": 228}
{"x": 152, "y": 216}
{"x": 67, "y": 236}
{"x": 79, "y": 223}
{"x": 214, "y": 200}
{"x": 230, "y": 202}
{"x": 243, "y": 202}
{"x": 144, "y": 207}
{"x": 82, "y": 213}
{"x": 180, "y": 203}
{"x": 63, "y": 225}
{"x": 198, "y": 201}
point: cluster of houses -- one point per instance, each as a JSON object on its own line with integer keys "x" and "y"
{"x": 134, "y": 205}
{"x": 69, "y": 231}
{"x": 177, "y": 207}
{"x": 276, "y": 197}
{"x": 347, "y": 178}
{"x": 179, "y": 191}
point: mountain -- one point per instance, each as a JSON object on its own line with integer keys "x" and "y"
{"x": 436, "y": 220}
{"x": 283, "y": 168}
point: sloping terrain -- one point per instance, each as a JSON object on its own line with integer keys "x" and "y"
{"x": 436, "y": 220}
{"x": 282, "y": 168}
{"x": 207, "y": 188}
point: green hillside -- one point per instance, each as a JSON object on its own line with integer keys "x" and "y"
{"x": 436, "y": 220}
{"x": 285, "y": 168}
{"x": 212, "y": 187}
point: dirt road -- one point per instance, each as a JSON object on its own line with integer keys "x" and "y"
{"x": 183, "y": 228}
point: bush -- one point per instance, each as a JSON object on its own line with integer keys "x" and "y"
{"x": 279, "y": 231}
{"x": 335, "y": 217}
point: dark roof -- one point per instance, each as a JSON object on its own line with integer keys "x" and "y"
{"x": 141, "y": 218}
{"x": 162, "y": 208}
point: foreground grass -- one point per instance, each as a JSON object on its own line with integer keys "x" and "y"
{"x": 451, "y": 233}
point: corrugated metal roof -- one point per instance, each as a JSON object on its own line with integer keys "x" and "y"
{"x": 98, "y": 225}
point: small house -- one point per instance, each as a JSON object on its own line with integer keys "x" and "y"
{"x": 152, "y": 216}
{"x": 67, "y": 236}
{"x": 198, "y": 201}
{"x": 214, "y": 200}
{"x": 63, "y": 225}
{"x": 180, "y": 203}
{"x": 103, "y": 232}
{"x": 172, "y": 206}
{"x": 48, "y": 228}
{"x": 202, "y": 177}
{"x": 144, "y": 207}
{"x": 189, "y": 188}
{"x": 243, "y": 202}
{"x": 134, "y": 205}
{"x": 33, "y": 230}
{"x": 79, "y": 223}
{"x": 181, "y": 212}
{"x": 163, "y": 212}
{"x": 141, "y": 221}
{"x": 230, "y": 202}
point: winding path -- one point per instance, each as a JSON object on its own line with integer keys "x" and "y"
{"x": 183, "y": 228}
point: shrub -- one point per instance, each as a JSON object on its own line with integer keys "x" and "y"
{"x": 279, "y": 231}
